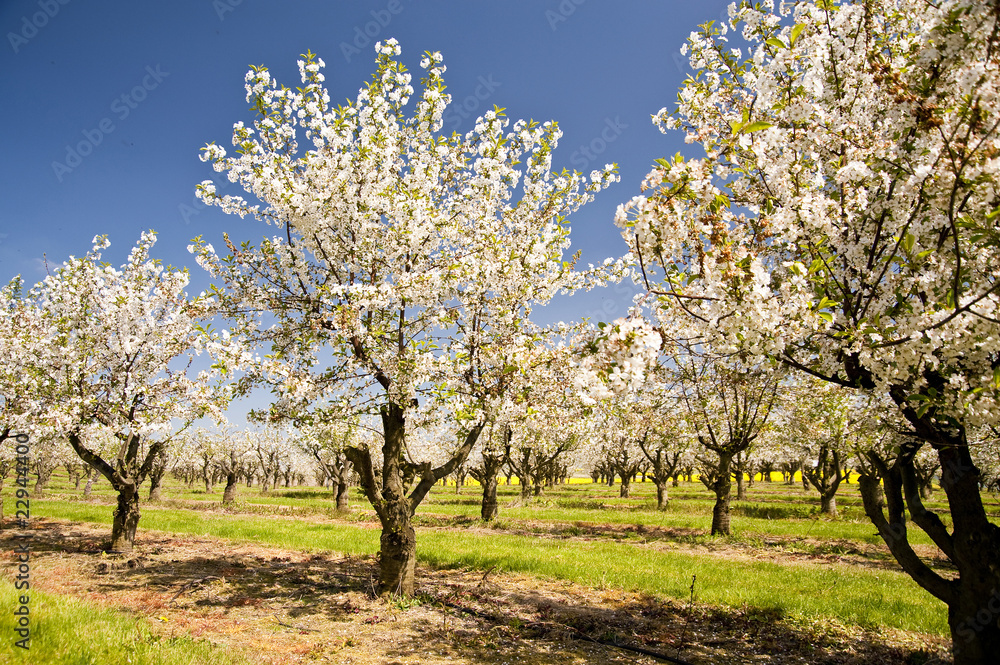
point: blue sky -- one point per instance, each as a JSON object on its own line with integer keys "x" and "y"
{"x": 107, "y": 104}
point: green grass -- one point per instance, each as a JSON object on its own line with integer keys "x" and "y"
{"x": 775, "y": 509}
{"x": 690, "y": 515}
{"x": 862, "y": 597}
{"x": 66, "y": 631}
{"x": 868, "y": 598}
{"x": 289, "y": 533}
{"x": 613, "y": 558}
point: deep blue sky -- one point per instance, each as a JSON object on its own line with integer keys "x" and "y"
{"x": 142, "y": 86}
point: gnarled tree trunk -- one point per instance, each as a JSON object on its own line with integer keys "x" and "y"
{"x": 719, "y": 479}
{"x": 125, "y": 477}
{"x": 156, "y": 488}
{"x": 88, "y": 488}
{"x": 156, "y": 473}
{"x": 972, "y": 544}
{"x": 229, "y": 494}
{"x": 343, "y": 495}
{"x": 387, "y": 493}
{"x": 826, "y": 477}
{"x": 487, "y": 476}
{"x": 125, "y": 519}
{"x": 662, "y": 500}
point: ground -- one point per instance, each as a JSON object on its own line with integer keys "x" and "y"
{"x": 319, "y": 607}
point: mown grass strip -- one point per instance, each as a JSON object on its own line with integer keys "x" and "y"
{"x": 868, "y": 598}
{"x": 67, "y": 631}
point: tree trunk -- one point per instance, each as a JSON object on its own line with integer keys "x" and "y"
{"x": 741, "y": 487}
{"x": 525, "y": 488}
{"x": 157, "y": 470}
{"x": 126, "y": 520}
{"x": 826, "y": 477}
{"x": 229, "y": 494}
{"x": 39, "y": 490}
{"x": 397, "y": 559}
{"x": 490, "y": 507}
{"x": 722, "y": 487}
{"x": 87, "y": 489}
{"x": 487, "y": 474}
{"x": 973, "y": 614}
{"x": 155, "y": 486}
{"x": 625, "y": 489}
{"x": 398, "y": 544}
{"x": 387, "y": 494}
{"x": 343, "y": 494}
{"x": 662, "y": 501}
{"x": 828, "y": 503}
{"x": 973, "y": 543}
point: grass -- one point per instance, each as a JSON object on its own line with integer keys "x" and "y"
{"x": 868, "y": 598}
{"x": 66, "y": 631}
{"x": 775, "y": 509}
{"x": 590, "y": 504}
{"x": 613, "y": 557}
{"x": 861, "y": 597}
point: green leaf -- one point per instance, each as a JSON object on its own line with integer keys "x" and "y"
{"x": 907, "y": 243}
{"x": 796, "y": 31}
{"x": 662, "y": 162}
{"x": 775, "y": 42}
{"x": 826, "y": 303}
{"x": 757, "y": 126}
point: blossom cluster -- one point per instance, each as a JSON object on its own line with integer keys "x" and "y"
{"x": 409, "y": 259}
{"x": 617, "y": 359}
{"x": 845, "y": 207}
{"x": 105, "y": 349}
